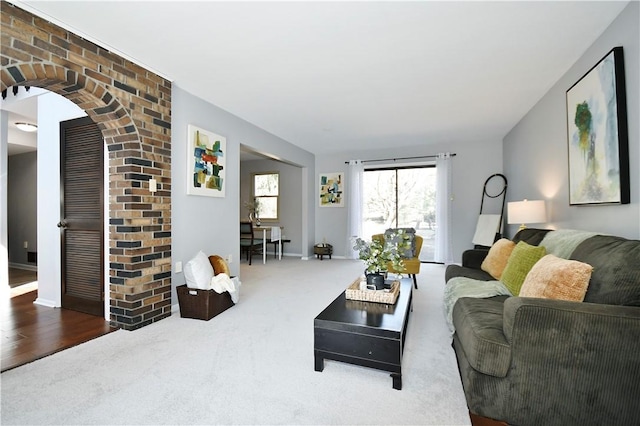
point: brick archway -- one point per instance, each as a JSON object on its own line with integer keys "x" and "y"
{"x": 93, "y": 98}
{"x": 132, "y": 107}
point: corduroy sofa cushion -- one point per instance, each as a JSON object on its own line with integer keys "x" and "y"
{"x": 615, "y": 279}
{"x": 531, "y": 236}
{"x": 478, "y": 324}
{"x": 454, "y": 270}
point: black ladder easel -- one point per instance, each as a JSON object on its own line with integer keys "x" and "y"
{"x": 502, "y": 193}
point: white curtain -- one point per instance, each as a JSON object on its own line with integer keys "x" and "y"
{"x": 354, "y": 204}
{"x": 443, "y": 251}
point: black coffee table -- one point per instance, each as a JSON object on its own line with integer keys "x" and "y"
{"x": 364, "y": 333}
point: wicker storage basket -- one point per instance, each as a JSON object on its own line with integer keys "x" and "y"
{"x": 389, "y": 296}
{"x": 202, "y": 304}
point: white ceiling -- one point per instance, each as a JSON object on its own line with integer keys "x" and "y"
{"x": 327, "y": 76}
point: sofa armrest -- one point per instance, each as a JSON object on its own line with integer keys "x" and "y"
{"x": 528, "y": 314}
{"x": 473, "y": 258}
{"x": 586, "y": 350}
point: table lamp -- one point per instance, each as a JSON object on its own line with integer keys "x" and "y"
{"x": 526, "y": 212}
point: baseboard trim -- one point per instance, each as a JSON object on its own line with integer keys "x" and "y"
{"x": 326, "y": 256}
{"x": 287, "y": 254}
{"x": 44, "y": 302}
{"x": 23, "y": 266}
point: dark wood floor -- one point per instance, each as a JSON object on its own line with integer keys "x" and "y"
{"x": 18, "y": 277}
{"x": 30, "y": 331}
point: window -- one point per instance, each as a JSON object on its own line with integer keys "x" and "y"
{"x": 266, "y": 191}
{"x": 397, "y": 197}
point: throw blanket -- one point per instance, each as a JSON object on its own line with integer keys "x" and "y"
{"x": 275, "y": 233}
{"x": 563, "y": 242}
{"x": 222, "y": 282}
{"x": 467, "y": 287}
{"x": 486, "y": 229}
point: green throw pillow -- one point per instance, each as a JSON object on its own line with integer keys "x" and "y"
{"x": 522, "y": 259}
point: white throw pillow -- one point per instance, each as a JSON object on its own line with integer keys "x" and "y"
{"x": 198, "y": 272}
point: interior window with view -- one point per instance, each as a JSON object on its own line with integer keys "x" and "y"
{"x": 266, "y": 190}
{"x": 401, "y": 198}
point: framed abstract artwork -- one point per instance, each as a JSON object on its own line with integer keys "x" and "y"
{"x": 205, "y": 162}
{"x": 597, "y": 135}
{"x": 331, "y": 190}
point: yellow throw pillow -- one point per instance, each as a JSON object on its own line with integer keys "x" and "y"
{"x": 555, "y": 278}
{"x": 522, "y": 259}
{"x": 219, "y": 265}
{"x": 497, "y": 257}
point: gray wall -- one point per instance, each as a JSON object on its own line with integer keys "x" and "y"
{"x": 290, "y": 207}
{"x": 4, "y": 239}
{"x": 535, "y": 150}
{"x": 212, "y": 224}
{"x": 472, "y": 165}
{"x": 22, "y": 204}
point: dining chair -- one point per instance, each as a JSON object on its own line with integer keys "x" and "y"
{"x": 248, "y": 243}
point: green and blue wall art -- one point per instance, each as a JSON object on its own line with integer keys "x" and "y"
{"x": 331, "y": 189}
{"x": 205, "y": 163}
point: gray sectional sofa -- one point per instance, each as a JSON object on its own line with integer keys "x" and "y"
{"x": 534, "y": 361}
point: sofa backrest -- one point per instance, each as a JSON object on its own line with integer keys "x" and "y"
{"x": 563, "y": 242}
{"x": 615, "y": 279}
{"x": 531, "y": 236}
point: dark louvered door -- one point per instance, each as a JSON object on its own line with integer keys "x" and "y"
{"x": 81, "y": 224}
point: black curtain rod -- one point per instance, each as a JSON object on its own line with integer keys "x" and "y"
{"x": 401, "y": 158}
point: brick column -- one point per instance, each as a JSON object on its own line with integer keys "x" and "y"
{"x": 132, "y": 107}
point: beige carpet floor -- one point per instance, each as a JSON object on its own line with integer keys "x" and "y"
{"x": 252, "y": 364}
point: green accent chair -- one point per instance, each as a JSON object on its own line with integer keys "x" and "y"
{"x": 411, "y": 265}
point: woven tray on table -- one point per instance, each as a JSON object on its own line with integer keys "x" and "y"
{"x": 388, "y": 296}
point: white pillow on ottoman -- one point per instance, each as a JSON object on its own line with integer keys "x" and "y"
{"x": 198, "y": 272}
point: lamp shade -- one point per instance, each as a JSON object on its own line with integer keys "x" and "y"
{"x": 526, "y": 212}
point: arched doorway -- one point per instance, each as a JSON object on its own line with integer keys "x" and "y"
{"x": 132, "y": 107}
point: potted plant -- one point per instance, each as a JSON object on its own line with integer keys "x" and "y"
{"x": 254, "y": 210}
{"x": 378, "y": 253}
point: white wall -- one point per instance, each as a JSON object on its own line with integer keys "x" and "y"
{"x": 472, "y": 165}
{"x": 212, "y": 224}
{"x": 535, "y": 150}
{"x": 52, "y": 109}
{"x": 290, "y": 206}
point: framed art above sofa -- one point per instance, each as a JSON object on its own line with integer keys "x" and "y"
{"x": 597, "y": 134}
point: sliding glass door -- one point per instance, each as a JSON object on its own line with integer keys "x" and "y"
{"x": 401, "y": 197}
